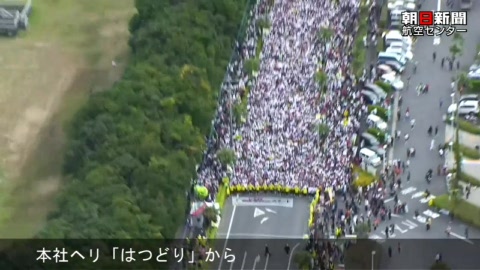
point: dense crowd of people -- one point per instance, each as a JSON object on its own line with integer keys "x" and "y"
{"x": 279, "y": 140}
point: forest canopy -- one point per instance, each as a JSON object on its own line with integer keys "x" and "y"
{"x": 133, "y": 149}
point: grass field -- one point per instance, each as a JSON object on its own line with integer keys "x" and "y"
{"x": 47, "y": 73}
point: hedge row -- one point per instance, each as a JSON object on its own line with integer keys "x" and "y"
{"x": 466, "y": 126}
{"x": 381, "y": 112}
{"x": 462, "y": 209}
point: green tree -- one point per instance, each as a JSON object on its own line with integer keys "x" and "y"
{"x": 210, "y": 214}
{"x": 321, "y": 78}
{"x": 456, "y": 49}
{"x": 132, "y": 150}
{"x": 323, "y": 131}
{"x": 252, "y": 65}
{"x": 226, "y": 156}
{"x": 303, "y": 259}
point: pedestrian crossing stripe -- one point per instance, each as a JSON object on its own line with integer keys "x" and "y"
{"x": 421, "y": 219}
{"x": 430, "y": 213}
{"x": 408, "y": 190}
{"x": 425, "y": 200}
{"x": 390, "y": 235}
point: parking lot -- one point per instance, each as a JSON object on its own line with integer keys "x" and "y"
{"x": 250, "y": 223}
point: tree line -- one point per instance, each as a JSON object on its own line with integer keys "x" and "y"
{"x": 133, "y": 149}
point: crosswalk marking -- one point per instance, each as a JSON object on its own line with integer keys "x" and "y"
{"x": 410, "y": 224}
{"x": 430, "y": 213}
{"x": 390, "y": 235}
{"x": 408, "y": 190}
{"x": 418, "y": 194}
{"x": 421, "y": 219}
{"x": 425, "y": 200}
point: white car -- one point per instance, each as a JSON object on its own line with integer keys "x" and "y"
{"x": 465, "y": 107}
{"x": 400, "y": 51}
{"x": 406, "y": 4}
{"x": 403, "y": 47}
{"x": 393, "y": 80}
{"x": 377, "y": 122}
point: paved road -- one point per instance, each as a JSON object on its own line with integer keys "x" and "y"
{"x": 250, "y": 222}
{"x": 426, "y": 111}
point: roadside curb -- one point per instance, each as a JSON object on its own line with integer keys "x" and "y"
{"x": 396, "y": 98}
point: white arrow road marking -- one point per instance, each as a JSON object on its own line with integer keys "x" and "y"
{"x": 263, "y": 220}
{"x": 461, "y": 237}
{"x": 436, "y": 40}
{"x": 394, "y": 215}
{"x": 266, "y": 262}
{"x": 425, "y": 200}
{"x": 400, "y": 229}
{"x": 258, "y": 212}
{"x": 410, "y": 224}
{"x": 417, "y": 195}
{"x": 430, "y": 213}
{"x": 374, "y": 236}
{"x": 408, "y": 190}
{"x": 270, "y": 210}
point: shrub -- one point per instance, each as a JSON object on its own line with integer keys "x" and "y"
{"x": 363, "y": 178}
{"x": 462, "y": 209}
{"x": 380, "y": 135}
{"x": 473, "y": 86}
{"x": 470, "y": 153}
{"x": 469, "y": 179}
{"x": 466, "y": 126}
{"x": 381, "y": 112}
{"x": 385, "y": 87}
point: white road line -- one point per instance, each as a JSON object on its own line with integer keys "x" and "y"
{"x": 266, "y": 262}
{"x": 388, "y": 200}
{"x": 410, "y": 224}
{"x": 408, "y": 190}
{"x": 430, "y": 213}
{"x": 261, "y": 235}
{"x": 461, "y": 237}
{"x": 291, "y": 255}
{"x": 425, "y": 200}
{"x": 421, "y": 219}
{"x": 228, "y": 234}
{"x": 418, "y": 194}
{"x": 439, "y": 5}
{"x": 243, "y": 262}
{"x": 400, "y": 229}
{"x": 390, "y": 235}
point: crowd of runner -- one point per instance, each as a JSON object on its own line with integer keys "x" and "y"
{"x": 279, "y": 142}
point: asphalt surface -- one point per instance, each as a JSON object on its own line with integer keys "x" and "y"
{"x": 250, "y": 222}
{"x": 425, "y": 109}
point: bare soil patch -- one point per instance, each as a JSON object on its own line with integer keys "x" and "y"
{"x": 47, "y": 74}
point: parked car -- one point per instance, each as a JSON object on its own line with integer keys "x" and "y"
{"x": 469, "y": 97}
{"x": 397, "y": 67}
{"x": 376, "y": 89}
{"x": 377, "y": 122}
{"x": 380, "y": 151}
{"x": 370, "y": 157}
{"x": 393, "y": 80}
{"x": 470, "y": 107}
{"x": 370, "y": 97}
{"x": 367, "y": 139}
